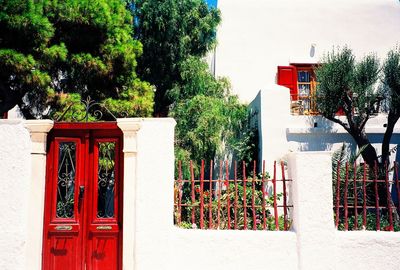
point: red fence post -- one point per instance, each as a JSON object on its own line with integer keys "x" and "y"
{"x": 284, "y": 197}
{"x": 244, "y": 197}
{"x": 378, "y": 218}
{"x": 179, "y": 192}
{"x": 365, "y": 196}
{"x": 355, "y": 197}
{"x": 337, "y": 195}
{"x": 263, "y": 198}
{"x": 236, "y": 196}
{"x": 388, "y": 198}
{"x": 346, "y": 186}
{"x": 201, "y": 196}
{"x": 210, "y": 221}
{"x": 193, "y": 195}
{"x": 253, "y": 206}
{"x": 228, "y": 200}
{"x": 219, "y": 194}
{"x": 275, "y": 203}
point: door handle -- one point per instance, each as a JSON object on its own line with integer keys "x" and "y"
{"x": 81, "y": 192}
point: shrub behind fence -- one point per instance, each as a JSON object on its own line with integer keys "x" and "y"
{"x": 363, "y": 197}
{"x": 231, "y": 203}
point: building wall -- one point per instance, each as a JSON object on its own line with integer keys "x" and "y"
{"x": 14, "y": 193}
{"x": 258, "y": 35}
{"x": 312, "y": 243}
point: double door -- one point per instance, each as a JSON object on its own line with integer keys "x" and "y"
{"x": 83, "y": 201}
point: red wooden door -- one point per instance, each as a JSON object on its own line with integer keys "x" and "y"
{"x": 83, "y": 204}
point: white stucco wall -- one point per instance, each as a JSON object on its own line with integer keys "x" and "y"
{"x": 258, "y": 35}
{"x": 312, "y": 243}
{"x": 368, "y": 250}
{"x": 280, "y": 132}
{"x": 14, "y": 193}
{"x": 161, "y": 245}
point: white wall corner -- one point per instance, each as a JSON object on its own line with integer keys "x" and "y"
{"x": 312, "y": 209}
{"x": 38, "y": 130}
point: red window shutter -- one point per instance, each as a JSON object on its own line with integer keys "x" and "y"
{"x": 287, "y": 76}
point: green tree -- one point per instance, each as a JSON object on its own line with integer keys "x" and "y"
{"x": 49, "y": 49}
{"x": 209, "y": 119}
{"x": 171, "y": 31}
{"x": 350, "y": 85}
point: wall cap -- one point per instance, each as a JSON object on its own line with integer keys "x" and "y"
{"x": 39, "y": 126}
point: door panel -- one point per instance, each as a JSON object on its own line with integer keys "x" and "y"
{"x": 104, "y": 230}
{"x": 82, "y": 225}
{"x": 63, "y": 236}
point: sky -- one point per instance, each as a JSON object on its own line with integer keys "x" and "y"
{"x": 212, "y": 3}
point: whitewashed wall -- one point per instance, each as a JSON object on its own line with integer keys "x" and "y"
{"x": 281, "y": 132}
{"x": 258, "y": 35}
{"x": 312, "y": 243}
{"x": 14, "y": 193}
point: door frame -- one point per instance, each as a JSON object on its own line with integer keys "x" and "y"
{"x": 105, "y": 130}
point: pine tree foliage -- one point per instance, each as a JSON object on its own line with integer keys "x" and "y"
{"x": 49, "y": 49}
{"x": 171, "y": 31}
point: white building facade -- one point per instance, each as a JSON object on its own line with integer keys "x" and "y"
{"x": 257, "y": 36}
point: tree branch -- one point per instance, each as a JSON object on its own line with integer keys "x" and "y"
{"x": 337, "y": 121}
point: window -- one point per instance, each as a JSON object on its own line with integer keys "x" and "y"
{"x": 301, "y": 80}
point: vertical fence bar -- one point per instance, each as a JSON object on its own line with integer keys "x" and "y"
{"x": 263, "y": 198}
{"x": 201, "y": 196}
{"x": 346, "y": 186}
{"x": 397, "y": 184}
{"x": 253, "y": 205}
{"x": 228, "y": 196}
{"x": 285, "y": 219}
{"x": 388, "y": 198}
{"x": 364, "y": 196}
{"x": 193, "y": 195}
{"x": 236, "y": 195}
{"x": 355, "y": 197}
{"x": 337, "y": 195}
{"x": 275, "y": 203}
{"x": 210, "y": 221}
{"x": 219, "y": 194}
{"x": 244, "y": 197}
{"x": 179, "y": 192}
{"x": 378, "y": 218}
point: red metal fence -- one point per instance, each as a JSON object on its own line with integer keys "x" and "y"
{"x": 363, "y": 197}
{"x": 232, "y": 201}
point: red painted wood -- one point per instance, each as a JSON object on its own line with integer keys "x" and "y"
{"x": 90, "y": 242}
{"x": 287, "y": 76}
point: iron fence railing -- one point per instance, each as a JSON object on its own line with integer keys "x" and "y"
{"x": 365, "y": 197}
{"x": 232, "y": 200}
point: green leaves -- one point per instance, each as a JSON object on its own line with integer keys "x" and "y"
{"x": 84, "y": 47}
{"x": 171, "y": 31}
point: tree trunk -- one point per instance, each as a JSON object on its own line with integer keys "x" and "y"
{"x": 392, "y": 120}
{"x": 369, "y": 153}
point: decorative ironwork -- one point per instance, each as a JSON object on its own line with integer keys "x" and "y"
{"x": 106, "y": 180}
{"x": 66, "y": 180}
{"x": 89, "y": 111}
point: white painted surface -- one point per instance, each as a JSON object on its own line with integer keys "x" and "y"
{"x": 161, "y": 245}
{"x": 313, "y": 242}
{"x": 38, "y": 130}
{"x": 129, "y": 127}
{"x": 312, "y": 203}
{"x": 258, "y": 35}
{"x": 273, "y": 115}
{"x": 15, "y": 168}
{"x": 368, "y": 250}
